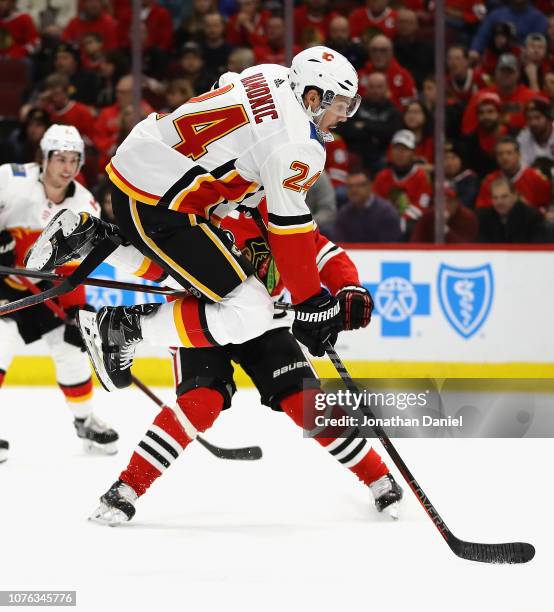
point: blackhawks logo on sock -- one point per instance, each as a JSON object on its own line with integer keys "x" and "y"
{"x": 256, "y": 250}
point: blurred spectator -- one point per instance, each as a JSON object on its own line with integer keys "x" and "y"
{"x": 22, "y": 146}
{"x": 531, "y": 185}
{"x": 537, "y": 139}
{"x": 62, "y": 109}
{"x": 215, "y": 49}
{"x": 192, "y": 68}
{"x": 92, "y": 18}
{"x": 521, "y": 13}
{"x": 103, "y": 193}
{"x": 311, "y": 22}
{"x": 49, "y": 16}
{"x": 178, "y": 92}
{"x": 464, "y": 180}
{"x": 177, "y": 9}
{"x": 366, "y": 217}
{"x": 509, "y": 220}
{"x": 462, "y": 82}
{"x": 417, "y": 55}
{"x": 83, "y": 83}
{"x": 92, "y": 51}
{"x": 190, "y": 28}
{"x": 513, "y": 96}
{"x": 107, "y": 127}
{"x": 18, "y": 34}
{"x": 428, "y": 95}
{"x": 400, "y": 82}
{"x": 339, "y": 40}
{"x": 550, "y": 37}
{"x": 370, "y": 131}
{"x": 112, "y": 66}
{"x": 247, "y": 27}
{"x": 419, "y": 121}
{"x": 480, "y": 144}
{"x": 157, "y": 22}
{"x": 548, "y": 90}
{"x": 463, "y": 17}
{"x": 336, "y": 161}
{"x": 502, "y": 39}
{"x": 534, "y": 61}
{"x": 375, "y": 17}
{"x": 405, "y": 183}
{"x": 240, "y": 59}
{"x": 273, "y": 51}
{"x": 322, "y": 202}
{"x": 460, "y": 223}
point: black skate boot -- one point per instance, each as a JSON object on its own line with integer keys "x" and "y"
{"x": 4, "y": 448}
{"x": 387, "y": 493}
{"x": 96, "y": 435}
{"x": 67, "y": 236}
{"x": 110, "y": 338}
{"x": 116, "y": 506}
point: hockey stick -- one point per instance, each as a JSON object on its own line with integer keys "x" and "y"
{"x": 89, "y": 263}
{"x": 93, "y": 282}
{"x": 248, "y": 453}
{"x": 511, "y": 552}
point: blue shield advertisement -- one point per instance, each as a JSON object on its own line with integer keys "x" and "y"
{"x": 465, "y": 296}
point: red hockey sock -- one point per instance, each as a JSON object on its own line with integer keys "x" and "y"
{"x": 167, "y": 437}
{"x": 2, "y": 376}
{"x": 353, "y": 452}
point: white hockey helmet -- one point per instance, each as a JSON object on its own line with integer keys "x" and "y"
{"x": 330, "y": 72}
{"x": 62, "y": 138}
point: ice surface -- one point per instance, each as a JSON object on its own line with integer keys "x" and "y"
{"x": 292, "y": 532}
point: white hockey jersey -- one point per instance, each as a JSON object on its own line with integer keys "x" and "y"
{"x": 233, "y": 145}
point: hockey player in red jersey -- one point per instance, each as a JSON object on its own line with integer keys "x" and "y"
{"x": 30, "y": 196}
{"x": 176, "y": 176}
{"x": 277, "y": 366}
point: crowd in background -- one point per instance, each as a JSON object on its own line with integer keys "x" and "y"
{"x": 68, "y": 61}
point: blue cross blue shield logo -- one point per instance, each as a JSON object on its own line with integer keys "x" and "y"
{"x": 465, "y": 296}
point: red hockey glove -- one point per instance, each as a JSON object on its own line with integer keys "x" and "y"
{"x": 316, "y": 322}
{"x": 356, "y": 306}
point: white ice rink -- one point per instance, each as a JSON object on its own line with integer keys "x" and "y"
{"x": 292, "y": 532}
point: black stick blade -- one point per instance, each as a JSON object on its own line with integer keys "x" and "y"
{"x": 248, "y": 453}
{"x": 513, "y": 552}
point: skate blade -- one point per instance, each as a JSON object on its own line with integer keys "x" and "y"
{"x": 111, "y": 517}
{"x": 41, "y": 252}
{"x": 392, "y": 511}
{"x": 91, "y": 337}
{"x": 94, "y": 448}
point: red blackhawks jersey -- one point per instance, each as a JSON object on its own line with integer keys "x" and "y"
{"x": 231, "y": 146}
{"x": 25, "y": 211}
{"x": 411, "y": 194}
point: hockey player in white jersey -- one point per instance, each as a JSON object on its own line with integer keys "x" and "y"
{"x": 30, "y": 195}
{"x": 176, "y": 176}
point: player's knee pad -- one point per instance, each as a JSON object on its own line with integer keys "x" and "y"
{"x": 201, "y": 406}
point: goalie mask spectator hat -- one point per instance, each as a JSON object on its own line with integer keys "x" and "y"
{"x": 404, "y": 138}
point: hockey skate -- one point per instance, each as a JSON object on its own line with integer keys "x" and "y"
{"x": 110, "y": 337}
{"x": 68, "y": 236}
{"x": 4, "y": 448}
{"x": 117, "y": 506}
{"x": 387, "y": 494}
{"x": 96, "y": 435}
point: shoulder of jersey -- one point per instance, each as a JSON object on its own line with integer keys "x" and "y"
{"x": 21, "y": 171}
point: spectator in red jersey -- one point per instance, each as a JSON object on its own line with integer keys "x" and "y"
{"x": 215, "y": 49}
{"x": 62, "y": 109}
{"x": 460, "y": 223}
{"x": 92, "y": 51}
{"x": 18, "y": 34}
{"x": 365, "y": 217}
{"x": 340, "y": 40}
{"x": 400, "y": 82}
{"x": 416, "y": 54}
{"x": 531, "y": 185}
{"x": 376, "y": 16}
{"x": 463, "y": 18}
{"x": 273, "y": 52}
{"x": 247, "y": 27}
{"x": 536, "y": 141}
{"x": 157, "y": 22}
{"x": 420, "y": 122}
{"x": 508, "y": 220}
{"x": 336, "y": 162}
{"x": 192, "y": 68}
{"x": 513, "y": 96}
{"x": 502, "y": 40}
{"x": 405, "y": 183}
{"x": 92, "y": 18}
{"x": 480, "y": 145}
{"x": 109, "y": 123}
{"x": 311, "y": 22}
{"x": 534, "y": 61}
{"x": 83, "y": 83}
{"x": 462, "y": 81}
{"x": 464, "y": 180}
{"x": 191, "y": 26}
